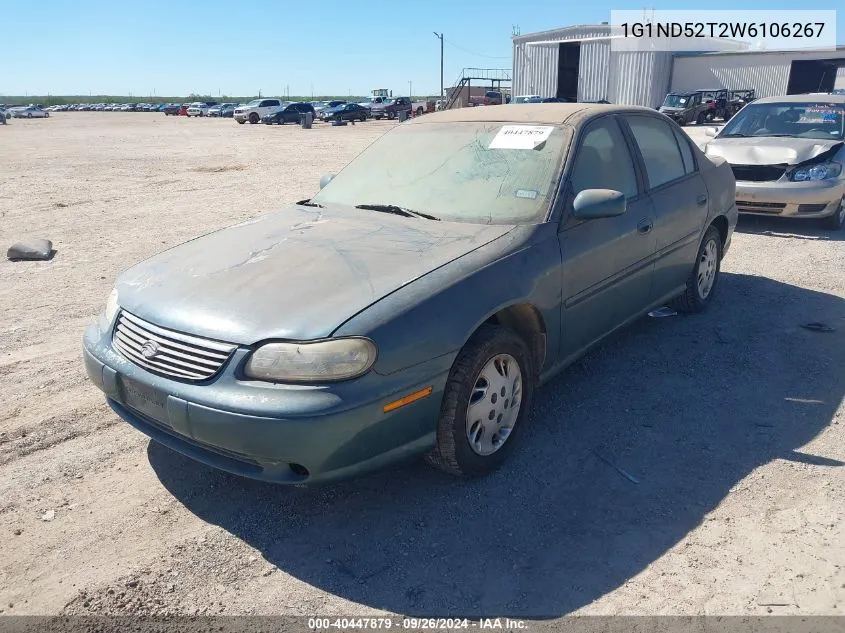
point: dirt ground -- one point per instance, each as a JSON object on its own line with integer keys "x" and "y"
{"x": 728, "y": 424}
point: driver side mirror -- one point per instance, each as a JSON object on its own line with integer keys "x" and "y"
{"x": 590, "y": 204}
{"x": 325, "y": 179}
{"x": 710, "y": 131}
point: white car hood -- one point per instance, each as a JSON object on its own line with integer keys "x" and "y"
{"x": 767, "y": 150}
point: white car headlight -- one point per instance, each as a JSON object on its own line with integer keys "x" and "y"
{"x": 112, "y": 306}
{"x": 820, "y": 171}
{"x": 319, "y": 361}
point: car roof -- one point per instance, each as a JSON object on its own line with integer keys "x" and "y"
{"x": 808, "y": 98}
{"x": 528, "y": 113}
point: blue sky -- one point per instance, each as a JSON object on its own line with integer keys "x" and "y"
{"x": 239, "y": 47}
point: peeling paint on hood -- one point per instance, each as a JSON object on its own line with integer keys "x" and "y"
{"x": 766, "y": 150}
{"x": 292, "y": 274}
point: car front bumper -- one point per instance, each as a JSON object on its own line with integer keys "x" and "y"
{"x": 241, "y": 116}
{"x": 811, "y": 199}
{"x": 288, "y": 434}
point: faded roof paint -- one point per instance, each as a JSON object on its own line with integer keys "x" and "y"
{"x": 529, "y": 113}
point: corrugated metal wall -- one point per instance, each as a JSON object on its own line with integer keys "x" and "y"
{"x": 767, "y": 73}
{"x": 535, "y": 67}
{"x": 840, "y": 78}
{"x": 639, "y": 77}
{"x": 593, "y": 71}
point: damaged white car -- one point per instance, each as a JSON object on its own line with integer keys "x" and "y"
{"x": 787, "y": 155}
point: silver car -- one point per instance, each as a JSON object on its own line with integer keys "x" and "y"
{"x": 787, "y": 154}
{"x": 30, "y": 112}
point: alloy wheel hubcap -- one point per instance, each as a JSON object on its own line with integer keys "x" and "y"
{"x": 707, "y": 268}
{"x": 494, "y": 404}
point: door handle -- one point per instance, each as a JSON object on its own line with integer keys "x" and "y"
{"x": 644, "y": 226}
{"x": 701, "y": 200}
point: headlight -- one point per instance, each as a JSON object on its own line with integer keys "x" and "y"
{"x": 820, "y": 171}
{"x": 112, "y": 306}
{"x": 329, "y": 360}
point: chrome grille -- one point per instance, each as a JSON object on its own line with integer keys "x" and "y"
{"x": 176, "y": 355}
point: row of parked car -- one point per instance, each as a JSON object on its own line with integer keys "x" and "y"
{"x": 31, "y": 111}
{"x": 277, "y": 111}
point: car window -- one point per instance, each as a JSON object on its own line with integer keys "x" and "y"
{"x": 686, "y": 152}
{"x": 603, "y": 161}
{"x": 455, "y": 174}
{"x": 659, "y": 149}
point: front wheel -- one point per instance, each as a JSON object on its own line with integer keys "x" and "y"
{"x": 486, "y": 403}
{"x": 253, "y": 118}
{"x": 702, "y": 281}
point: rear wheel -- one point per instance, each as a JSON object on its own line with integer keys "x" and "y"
{"x": 486, "y": 403}
{"x": 701, "y": 118}
{"x": 702, "y": 281}
{"x": 837, "y": 220}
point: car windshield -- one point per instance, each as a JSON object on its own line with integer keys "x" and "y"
{"x": 675, "y": 101}
{"x": 465, "y": 172}
{"x": 818, "y": 120}
{"x": 254, "y": 103}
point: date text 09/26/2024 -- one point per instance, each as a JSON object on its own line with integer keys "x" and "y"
{"x": 415, "y": 624}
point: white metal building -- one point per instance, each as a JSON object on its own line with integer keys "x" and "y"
{"x": 769, "y": 73}
{"x": 576, "y": 62}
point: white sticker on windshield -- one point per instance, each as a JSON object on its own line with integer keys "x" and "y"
{"x": 521, "y": 136}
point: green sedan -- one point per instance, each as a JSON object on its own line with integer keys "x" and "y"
{"x": 413, "y": 306}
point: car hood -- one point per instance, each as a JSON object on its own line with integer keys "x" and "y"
{"x": 293, "y": 274}
{"x": 767, "y": 150}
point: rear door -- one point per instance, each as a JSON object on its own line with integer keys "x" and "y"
{"x": 679, "y": 196}
{"x": 607, "y": 262}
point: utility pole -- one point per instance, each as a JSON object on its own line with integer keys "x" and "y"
{"x": 410, "y": 88}
{"x": 440, "y": 37}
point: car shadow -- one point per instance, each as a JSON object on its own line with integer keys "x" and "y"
{"x": 628, "y": 450}
{"x": 787, "y": 228}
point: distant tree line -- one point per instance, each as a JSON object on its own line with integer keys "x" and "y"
{"x": 48, "y": 100}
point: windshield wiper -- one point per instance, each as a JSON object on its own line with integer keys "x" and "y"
{"x": 396, "y": 210}
{"x": 734, "y": 135}
{"x": 308, "y": 203}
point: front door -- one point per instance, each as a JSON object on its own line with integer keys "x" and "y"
{"x": 607, "y": 262}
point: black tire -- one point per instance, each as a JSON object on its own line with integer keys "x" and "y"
{"x": 29, "y": 115}
{"x": 241, "y": 122}
{"x": 419, "y": 111}
{"x": 691, "y": 299}
{"x": 701, "y": 118}
{"x": 453, "y": 453}
{"x": 253, "y": 118}
{"x": 836, "y": 221}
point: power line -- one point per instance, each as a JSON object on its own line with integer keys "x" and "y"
{"x": 474, "y": 53}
